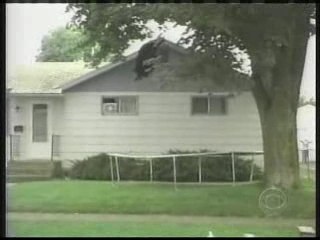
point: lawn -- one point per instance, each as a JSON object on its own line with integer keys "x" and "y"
{"x": 143, "y": 198}
{"x": 152, "y": 226}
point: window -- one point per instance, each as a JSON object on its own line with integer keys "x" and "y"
{"x": 39, "y": 123}
{"x": 217, "y": 105}
{"x": 126, "y": 105}
{"x": 209, "y": 105}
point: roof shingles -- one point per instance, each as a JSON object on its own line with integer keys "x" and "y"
{"x": 44, "y": 77}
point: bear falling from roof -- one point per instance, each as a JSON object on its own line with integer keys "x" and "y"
{"x": 148, "y": 55}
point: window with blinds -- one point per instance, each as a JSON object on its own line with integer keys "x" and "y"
{"x": 40, "y": 123}
{"x": 126, "y": 105}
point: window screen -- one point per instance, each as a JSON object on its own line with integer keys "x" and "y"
{"x": 217, "y": 105}
{"x": 199, "y": 105}
{"x": 128, "y": 105}
{"x": 39, "y": 126}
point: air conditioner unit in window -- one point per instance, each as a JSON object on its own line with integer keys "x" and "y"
{"x": 110, "y": 107}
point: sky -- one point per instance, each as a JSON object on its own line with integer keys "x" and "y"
{"x": 28, "y": 23}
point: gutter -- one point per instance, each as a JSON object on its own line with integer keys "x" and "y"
{"x": 30, "y": 94}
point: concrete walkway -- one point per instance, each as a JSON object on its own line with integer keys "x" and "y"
{"x": 10, "y": 184}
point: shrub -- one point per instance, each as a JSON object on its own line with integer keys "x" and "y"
{"x": 57, "y": 171}
{"x": 133, "y": 169}
{"x": 92, "y": 168}
{"x": 214, "y": 168}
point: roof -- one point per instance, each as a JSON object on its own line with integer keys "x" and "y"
{"x": 109, "y": 67}
{"x": 95, "y": 73}
{"x": 54, "y": 77}
{"x": 44, "y": 77}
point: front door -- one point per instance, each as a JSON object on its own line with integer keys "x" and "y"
{"x": 40, "y": 135}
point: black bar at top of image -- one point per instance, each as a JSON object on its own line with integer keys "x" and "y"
{"x": 161, "y": 1}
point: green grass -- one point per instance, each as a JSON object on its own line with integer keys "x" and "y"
{"x": 143, "y": 198}
{"x": 58, "y": 228}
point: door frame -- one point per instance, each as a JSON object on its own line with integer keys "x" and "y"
{"x": 45, "y": 146}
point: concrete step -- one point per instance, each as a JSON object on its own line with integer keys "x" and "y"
{"x": 18, "y": 171}
{"x": 30, "y": 163}
{"x": 26, "y": 178}
{"x": 34, "y": 170}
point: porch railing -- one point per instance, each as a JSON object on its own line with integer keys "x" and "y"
{"x": 306, "y": 155}
{"x": 55, "y": 146}
{"x": 14, "y": 146}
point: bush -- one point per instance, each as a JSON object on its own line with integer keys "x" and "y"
{"x": 133, "y": 169}
{"x": 57, "y": 171}
{"x": 92, "y": 168}
{"x": 214, "y": 168}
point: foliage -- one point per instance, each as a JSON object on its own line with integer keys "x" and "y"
{"x": 92, "y": 168}
{"x": 57, "y": 171}
{"x": 64, "y": 45}
{"x": 213, "y": 29}
{"x": 213, "y": 169}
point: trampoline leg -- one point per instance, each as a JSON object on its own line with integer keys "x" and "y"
{"x": 233, "y": 170}
{"x": 174, "y": 173}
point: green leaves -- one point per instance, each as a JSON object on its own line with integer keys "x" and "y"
{"x": 244, "y": 26}
{"x": 63, "y": 45}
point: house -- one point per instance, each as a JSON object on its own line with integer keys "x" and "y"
{"x": 306, "y": 131}
{"x": 73, "y": 112}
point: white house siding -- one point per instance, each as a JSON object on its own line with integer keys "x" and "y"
{"x": 306, "y": 129}
{"x": 164, "y": 122}
{"x": 27, "y": 149}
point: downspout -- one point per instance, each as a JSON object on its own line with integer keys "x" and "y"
{"x": 7, "y": 125}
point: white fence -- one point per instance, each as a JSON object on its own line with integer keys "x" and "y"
{"x": 311, "y": 154}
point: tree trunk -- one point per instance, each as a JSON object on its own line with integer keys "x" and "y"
{"x": 276, "y": 92}
{"x": 278, "y": 124}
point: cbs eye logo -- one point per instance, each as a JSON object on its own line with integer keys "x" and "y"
{"x": 272, "y": 201}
